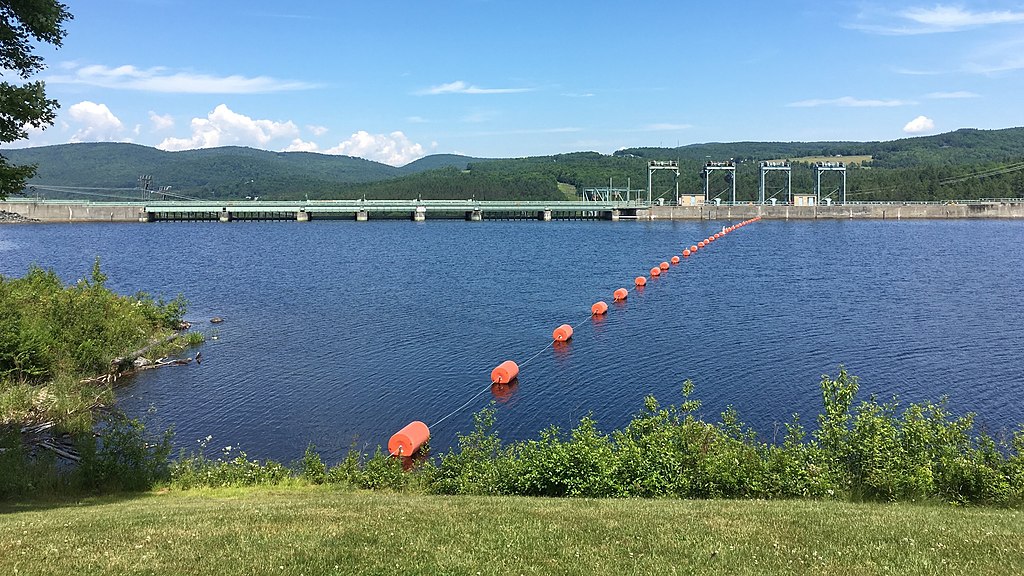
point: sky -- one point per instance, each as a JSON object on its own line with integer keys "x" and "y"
{"x": 395, "y": 80}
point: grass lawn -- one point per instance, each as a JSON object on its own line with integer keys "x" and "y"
{"x": 568, "y": 190}
{"x": 847, "y": 159}
{"x": 321, "y": 531}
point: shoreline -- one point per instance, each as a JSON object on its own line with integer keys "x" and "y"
{"x": 32, "y": 211}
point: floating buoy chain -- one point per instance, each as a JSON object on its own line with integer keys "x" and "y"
{"x": 409, "y": 439}
{"x": 460, "y": 408}
{"x": 531, "y": 359}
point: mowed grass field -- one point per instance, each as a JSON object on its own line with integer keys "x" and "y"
{"x": 315, "y": 530}
{"x": 845, "y": 159}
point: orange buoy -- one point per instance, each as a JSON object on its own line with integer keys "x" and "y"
{"x": 655, "y": 272}
{"x": 408, "y": 440}
{"x": 701, "y": 244}
{"x": 718, "y": 235}
{"x": 693, "y": 249}
{"x": 640, "y": 281}
{"x": 675, "y": 259}
{"x": 505, "y": 372}
{"x": 663, "y": 265}
{"x": 686, "y": 253}
{"x": 599, "y": 308}
{"x": 561, "y": 334}
{"x": 620, "y": 294}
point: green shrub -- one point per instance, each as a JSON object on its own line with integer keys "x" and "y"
{"x": 476, "y": 467}
{"x": 23, "y": 475}
{"x": 122, "y": 457}
{"x": 197, "y": 471}
{"x": 382, "y": 472}
{"x": 311, "y": 468}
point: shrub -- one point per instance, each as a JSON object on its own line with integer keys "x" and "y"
{"x": 122, "y": 458}
{"x": 311, "y": 468}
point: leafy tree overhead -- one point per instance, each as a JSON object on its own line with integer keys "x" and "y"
{"x": 22, "y": 23}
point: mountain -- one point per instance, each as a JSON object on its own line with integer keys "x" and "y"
{"x": 964, "y": 146}
{"x": 229, "y": 171}
{"x": 966, "y": 163}
{"x": 435, "y": 161}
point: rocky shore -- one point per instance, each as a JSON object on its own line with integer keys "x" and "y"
{"x": 14, "y": 218}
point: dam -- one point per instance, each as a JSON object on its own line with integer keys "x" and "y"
{"x": 473, "y": 210}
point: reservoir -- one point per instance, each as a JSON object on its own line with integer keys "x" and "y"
{"x": 339, "y": 333}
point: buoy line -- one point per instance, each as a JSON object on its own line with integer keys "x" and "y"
{"x": 410, "y": 438}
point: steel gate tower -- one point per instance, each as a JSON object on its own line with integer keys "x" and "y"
{"x": 710, "y": 167}
{"x": 767, "y": 168}
{"x": 820, "y": 167}
{"x": 654, "y": 165}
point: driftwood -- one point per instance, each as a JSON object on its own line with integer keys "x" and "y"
{"x": 142, "y": 351}
{"x": 160, "y": 363}
{"x": 37, "y": 428}
{"x": 65, "y": 452}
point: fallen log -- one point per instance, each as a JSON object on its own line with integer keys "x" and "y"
{"x": 128, "y": 358}
{"x": 68, "y": 454}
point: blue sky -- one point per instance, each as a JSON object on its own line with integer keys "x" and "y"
{"x": 395, "y": 80}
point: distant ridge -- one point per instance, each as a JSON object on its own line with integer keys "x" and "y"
{"x": 966, "y": 163}
{"x": 229, "y": 171}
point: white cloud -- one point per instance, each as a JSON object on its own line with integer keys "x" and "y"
{"x": 395, "y": 149}
{"x": 666, "y": 127}
{"x": 460, "y": 87}
{"x": 96, "y": 122}
{"x": 300, "y": 145}
{"x": 848, "y": 102}
{"x": 161, "y": 121}
{"x": 224, "y": 127}
{"x": 915, "y": 72}
{"x": 939, "y": 18}
{"x": 955, "y": 18}
{"x": 416, "y": 120}
{"x": 162, "y": 79}
{"x": 919, "y": 125}
{"x": 316, "y": 130}
{"x": 952, "y": 95}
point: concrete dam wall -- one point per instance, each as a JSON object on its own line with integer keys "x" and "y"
{"x": 80, "y": 211}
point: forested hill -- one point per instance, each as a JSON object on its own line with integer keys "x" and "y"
{"x": 965, "y": 146}
{"x": 226, "y": 172}
{"x": 963, "y": 164}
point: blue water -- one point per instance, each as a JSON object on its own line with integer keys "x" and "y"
{"x": 339, "y": 333}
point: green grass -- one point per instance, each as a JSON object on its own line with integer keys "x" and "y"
{"x": 859, "y": 159}
{"x": 305, "y": 530}
{"x": 568, "y": 190}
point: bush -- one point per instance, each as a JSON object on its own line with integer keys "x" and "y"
{"x": 878, "y": 451}
{"x": 311, "y": 468}
{"x": 122, "y": 458}
{"x": 197, "y": 471}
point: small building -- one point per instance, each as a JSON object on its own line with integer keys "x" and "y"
{"x": 803, "y": 199}
{"x": 691, "y": 199}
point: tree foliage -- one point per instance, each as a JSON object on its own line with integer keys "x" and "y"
{"x": 964, "y": 164}
{"x": 24, "y": 106}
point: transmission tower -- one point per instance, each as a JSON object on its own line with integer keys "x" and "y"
{"x": 145, "y": 181}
